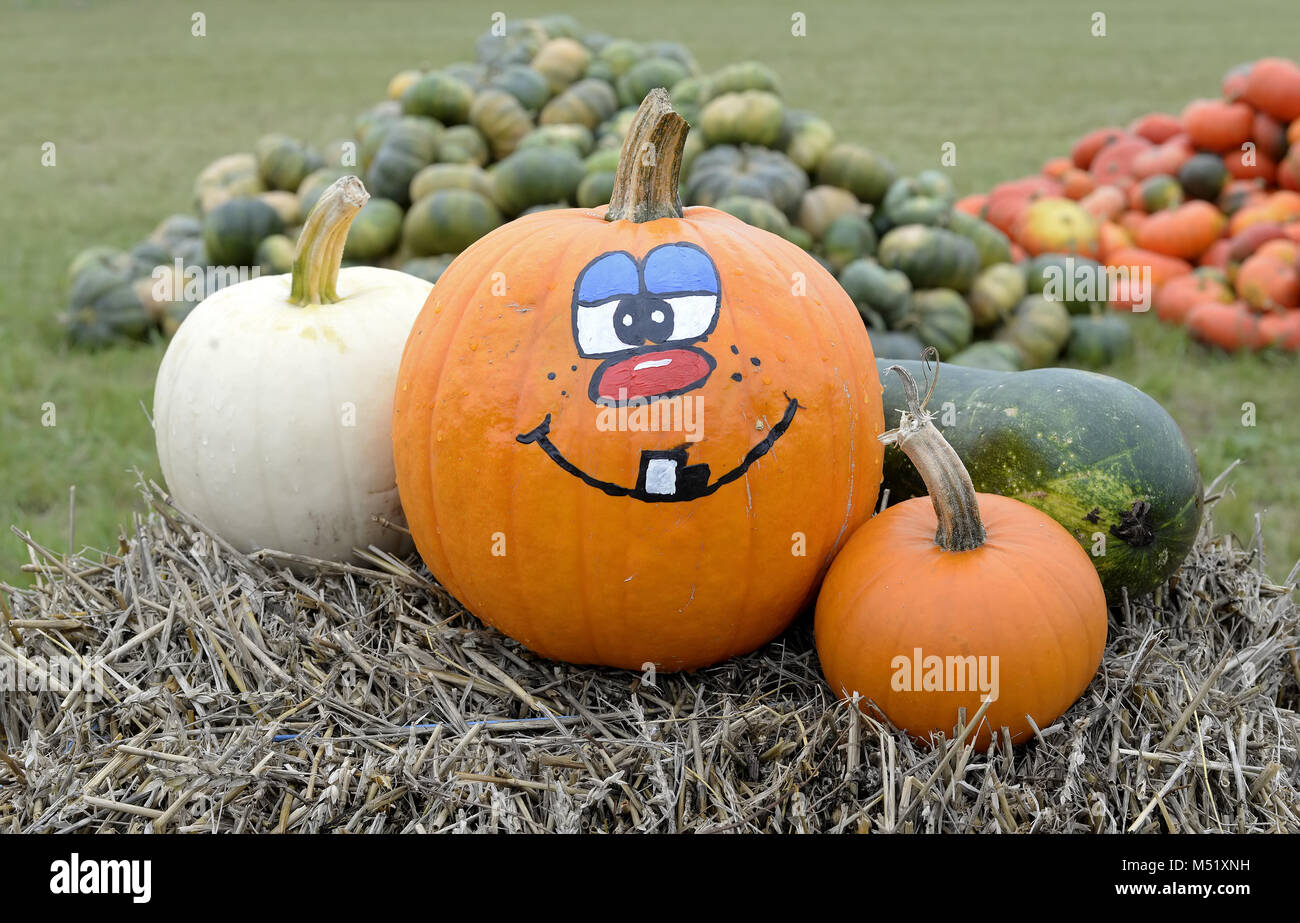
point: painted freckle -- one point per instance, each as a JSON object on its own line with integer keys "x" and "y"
{"x": 735, "y": 351}
{"x": 754, "y": 360}
{"x": 735, "y": 376}
{"x": 550, "y": 376}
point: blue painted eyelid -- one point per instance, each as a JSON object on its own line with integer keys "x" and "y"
{"x": 667, "y": 269}
{"x": 679, "y": 268}
{"x": 609, "y": 275}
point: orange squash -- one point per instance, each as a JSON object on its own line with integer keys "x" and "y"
{"x": 1214, "y": 125}
{"x": 1283, "y": 249}
{"x": 1135, "y": 260}
{"x": 1114, "y": 163}
{"x": 1175, "y": 299}
{"x": 1105, "y": 203}
{"x": 1250, "y": 165}
{"x": 1008, "y": 200}
{"x": 1281, "y": 207}
{"x": 1229, "y": 326}
{"x": 961, "y": 600}
{"x": 1287, "y": 175}
{"x": 971, "y": 204}
{"x": 1057, "y": 167}
{"x": 1111, "y": 237}
{"x": 1184, "y": 232}
{"x": 639, "y": 433}
{"x": 1132, "y": 220}
{"x": 1167, "y": 157}
{"x": 1273, "y": 86}
{"x": 1078, "y": 183}
{"x": 1234, "y": 82}
{"x": 1281, "y": 331}
{"x": 1216, "y": 256}
{"x": 1268, "y": 284}
{"x": 1156, "y": 127}
{"x": 1087, "y": 147}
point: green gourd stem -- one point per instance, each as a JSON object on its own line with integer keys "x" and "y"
{"x": 646, "y": 186}
{"x": 320, "y": 245}
{"x": 946, "y": 478}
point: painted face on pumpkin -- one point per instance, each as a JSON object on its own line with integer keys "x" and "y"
{"x": 644, "y": 320}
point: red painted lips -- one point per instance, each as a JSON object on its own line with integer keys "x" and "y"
{"x": 648, "y": 375}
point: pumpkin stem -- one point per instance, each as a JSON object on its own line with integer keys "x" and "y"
{"x": 646, "y": 186}
{"x": 946, "y": 478}
{"x": 320, "y": 244}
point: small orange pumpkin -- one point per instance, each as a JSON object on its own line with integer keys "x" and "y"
{"x": 1078, "y": 183}
{"x": 1057, "y": 167}
{"x": 1216, "y": 256}
{"x": 1091, "y": 144}
{"x": 1232, "y": 326}
{"x": 610, "y": 425}
{"x": 1214, "y": 125}
{"x": 1156, "y": 127}
{"x": 1114, "y": 163}
{"x": 1281, "y": 330}
{"x": 963, "y": 600}
{"x": 1250, "y": 165}
{"x": 1105, "y": 203}
{"x": 1136, "y": 260}
{"x": 1175, "y": 299}
{"x": 1267, "y": 283}
{"x": 1184, "y": 232}
{"x": 1273, "y": 86}
{"x": 1167, "y": 157}
{"x": 971, "y": 204}
{"x": 1111, "y": 237}
{"x": 1007, "y": 201}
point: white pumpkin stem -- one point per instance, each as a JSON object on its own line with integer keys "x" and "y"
{"x": 647, "y": 184}
{"x": 320, "y": 245}
{"x": 946, "y": 478}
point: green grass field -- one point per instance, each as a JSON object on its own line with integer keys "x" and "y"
{"x": 136, "y": 106}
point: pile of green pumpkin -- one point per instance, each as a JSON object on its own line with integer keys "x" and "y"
{"x": 536, "y": 122}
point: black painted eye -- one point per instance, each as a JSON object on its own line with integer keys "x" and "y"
{"x": 643, "y": 318}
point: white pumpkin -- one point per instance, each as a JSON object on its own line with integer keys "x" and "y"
{"x": 273, "y": 405}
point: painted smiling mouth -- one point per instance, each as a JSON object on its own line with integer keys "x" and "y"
{"x": 664, "y": 476}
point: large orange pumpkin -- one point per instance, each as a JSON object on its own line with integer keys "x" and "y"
{"x": 945, "y": 603}
{"x": 547, "y": 461}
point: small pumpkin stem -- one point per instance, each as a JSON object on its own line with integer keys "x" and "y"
{"x": 946, "y": 478}
{"x": 646, "y": 186}
{"x": 320, "y": 244}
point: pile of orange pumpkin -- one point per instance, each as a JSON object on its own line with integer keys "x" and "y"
{"x": 1208, "y": 200}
